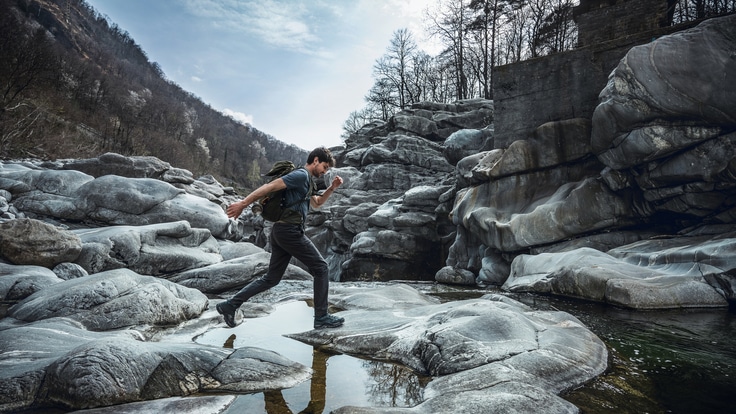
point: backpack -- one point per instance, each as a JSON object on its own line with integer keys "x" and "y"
{"x": 273, "y": 202}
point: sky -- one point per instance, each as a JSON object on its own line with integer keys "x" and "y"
{"x": 294, "y": 69}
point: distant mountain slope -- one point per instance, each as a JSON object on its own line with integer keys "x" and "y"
{"x": 76, "y": 85}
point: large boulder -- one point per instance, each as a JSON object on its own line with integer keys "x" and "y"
{"x": 108, "y": 200}
{"x": 543, "y": 207}
{"x": 154, "y": 249}
{"x": 32, "y": 242}
{"x": 117, "y": 200}
{"x": 664, "y": 83}
{"x": 115, "y": 164}
{"x": 233, "y": 274}
{"x": 691, "y": 270}
{"x": 19, "y": 282}
{"x": 72, "y": 367}
{"x": 113, "y": 299}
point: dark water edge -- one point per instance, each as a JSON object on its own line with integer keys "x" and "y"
{"x": 674, "y": 361}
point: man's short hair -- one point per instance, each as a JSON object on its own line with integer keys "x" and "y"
{"x": 323, "y": 155}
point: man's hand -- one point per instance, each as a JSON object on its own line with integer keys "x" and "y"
{"x": 336, "y": 182}
{"x": 235, "y": 209}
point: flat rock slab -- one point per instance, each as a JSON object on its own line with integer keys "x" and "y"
{"x": 677, "y": 272}
{"x": 489, "y": 355}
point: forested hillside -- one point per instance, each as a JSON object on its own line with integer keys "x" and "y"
{"x": 76, "y": 85}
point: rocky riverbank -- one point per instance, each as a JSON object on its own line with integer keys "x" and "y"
{"x": 110, "y": 266}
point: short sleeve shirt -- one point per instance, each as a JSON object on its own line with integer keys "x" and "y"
{"x": 298, "y": 185}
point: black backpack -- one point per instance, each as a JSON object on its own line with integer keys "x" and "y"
{"x": 273, "y": 202}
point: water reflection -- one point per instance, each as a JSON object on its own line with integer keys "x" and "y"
{"x": 389, "y": 386}
{"x": 337, "y": 380}
{"x": 276, "y": 404}
{"x": 394, "y": 386}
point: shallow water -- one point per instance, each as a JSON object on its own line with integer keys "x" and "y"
{"x": 661, "y": 362}
{"x": 338, "y": 380}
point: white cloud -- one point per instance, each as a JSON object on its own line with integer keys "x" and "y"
{"x": 239, "y": 116}
{"x": 278, "y": 23}
{"x": 196, "y": 79}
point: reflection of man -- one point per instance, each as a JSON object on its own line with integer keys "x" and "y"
{"x": 318, "y": 388}
{"x": 276, "y": 404}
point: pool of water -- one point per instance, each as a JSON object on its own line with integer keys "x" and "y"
{"x": 679, "y": 361}
{"x": 338, "y": 380}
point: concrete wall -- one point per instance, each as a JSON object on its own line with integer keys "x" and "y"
{"x": 566, "y": 85}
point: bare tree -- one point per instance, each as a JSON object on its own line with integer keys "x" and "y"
{"x": 357, "y": 120}
{"x": 382, "y": 97}
{"x": 27, "y": 61}
{"x": 397, "y": 65}
{"x": 448, "y": 23}
{"x": 549, "y": 27}
{"x": 687, "y": 10}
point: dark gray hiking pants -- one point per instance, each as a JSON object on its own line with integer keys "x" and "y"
{"x": 287, "y": 241}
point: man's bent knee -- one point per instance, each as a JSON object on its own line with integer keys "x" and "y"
{"x": 320, "y": 270}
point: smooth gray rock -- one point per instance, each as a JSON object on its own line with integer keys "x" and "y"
{"x": 59, "y": 362}
{"x": 464, "y": 143}
{"x": 251, "y": 369}
{"x": 214, "y": 404}
{"x": 230, "y": 250}
{"x": 668, "y": 280}
{"x": 540, "y": 208}
{"x": 115, "y": 164}
{"x": 233, "y": 274}
{"x": 44, "y": 192}
{"x": 492, "y": 346}
{"x": 113, "y": 299}
{"x": 138, "y": 201}
{"x": 27, "y": 351}
{"x": 507, "y": 397}
{"x": 553, "y": 144}
{"x": 19, "y": 282}
{"x": 455, "y": 276}
{"x": 155, "y": 249}
{"x": 400, "y": 296}
{"x": 68, "y": 271}
{"x": 109, "y": 200}
{"x": 664, "y": 82}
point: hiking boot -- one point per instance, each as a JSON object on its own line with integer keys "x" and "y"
{"x": 228, "y": 316}
{"x": 328, "y": 321}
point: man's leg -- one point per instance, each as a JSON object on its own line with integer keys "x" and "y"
{"x": 279, "y": 261}
{"x": 304, "y": 250}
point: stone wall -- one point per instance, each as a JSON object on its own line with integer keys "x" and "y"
{"x": 566, "y": 85}
{"x": 604, "y": 20}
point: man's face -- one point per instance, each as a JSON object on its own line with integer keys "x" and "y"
{"x": 320, "y": 169}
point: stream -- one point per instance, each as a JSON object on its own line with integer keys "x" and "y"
{"x": 679, "y": 361}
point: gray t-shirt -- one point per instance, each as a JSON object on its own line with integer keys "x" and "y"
{"x": 298, "y": 191}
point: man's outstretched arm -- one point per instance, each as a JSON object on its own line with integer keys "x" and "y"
{"x": 235, "y": 209}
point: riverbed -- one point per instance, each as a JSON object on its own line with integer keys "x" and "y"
{"x": 679, "y": 361}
